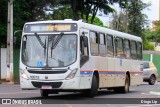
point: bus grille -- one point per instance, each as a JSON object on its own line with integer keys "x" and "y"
{"x": 53, "y": 84}
{"x": 47, "y": 72}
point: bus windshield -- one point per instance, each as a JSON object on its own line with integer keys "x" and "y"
{"x": 56, "y": 50}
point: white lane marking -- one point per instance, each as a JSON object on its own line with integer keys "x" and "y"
{"x": 145, "y": 105}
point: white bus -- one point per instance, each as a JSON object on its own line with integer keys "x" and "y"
{"x": 65, "y": 55}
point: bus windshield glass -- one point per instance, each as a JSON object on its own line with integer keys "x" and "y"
{"x": 56, "y": 50}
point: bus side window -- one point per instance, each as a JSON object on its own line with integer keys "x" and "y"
{"x": 139, "y": 50}
{"x": 127, "y": 49}
{"x": 102, "y": 45}
{"x": 119, "y": 47}
{"x": 110, "y": 46}
{"x": 133, "y": 50}
{"x": 94, "y": 41}
{"x": 84, "y": 51}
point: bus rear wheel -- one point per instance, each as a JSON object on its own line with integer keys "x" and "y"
{"x": 44, "y": 93}
{"x": 125, "y": 88}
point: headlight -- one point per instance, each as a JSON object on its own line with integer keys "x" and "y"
{"x": 23, "y": 74}
{"x": 72, "y": 74}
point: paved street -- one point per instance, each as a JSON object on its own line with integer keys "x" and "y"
{"x": 142, "y": 91}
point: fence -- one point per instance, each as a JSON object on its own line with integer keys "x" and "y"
{"x": 156, "y": 58}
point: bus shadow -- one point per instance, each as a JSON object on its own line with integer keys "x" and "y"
{"x": 80, "y": 96}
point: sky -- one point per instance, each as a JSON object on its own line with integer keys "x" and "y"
{"x": 151, "y": 12}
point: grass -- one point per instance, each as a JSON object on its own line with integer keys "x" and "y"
{"x": 157, "y": 91}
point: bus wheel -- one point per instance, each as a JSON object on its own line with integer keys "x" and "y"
{"x": 125, "y": 88}
{"x": 44, "y": 93}
{"x": 94, "y": 87}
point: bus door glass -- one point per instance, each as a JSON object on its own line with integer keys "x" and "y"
{"x": 84, "y": 54}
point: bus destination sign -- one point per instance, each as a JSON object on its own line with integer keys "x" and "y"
{"x": 31, "y": 28}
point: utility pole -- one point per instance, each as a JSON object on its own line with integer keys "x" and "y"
{"x": 10, "y": 42}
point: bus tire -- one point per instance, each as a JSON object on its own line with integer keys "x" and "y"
{"x": 94, "y": 87}
{"x": 125, "y": 88}
{"x": 44, "y": 93}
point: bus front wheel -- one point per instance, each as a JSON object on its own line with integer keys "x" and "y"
{"x": 94, "y": 87}
{"x": 44, "y": 93}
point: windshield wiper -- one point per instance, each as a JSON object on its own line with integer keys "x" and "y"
{"x": 56, "y": 41}
{"x": 40, "y": 41}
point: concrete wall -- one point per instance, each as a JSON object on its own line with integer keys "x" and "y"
{"x": 3, "y": 67}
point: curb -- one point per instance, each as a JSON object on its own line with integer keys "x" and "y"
{"x": 155, "y": 93}
{"x": 7, "y": 83}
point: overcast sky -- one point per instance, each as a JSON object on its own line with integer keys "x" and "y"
{"x": 153, "y": 9}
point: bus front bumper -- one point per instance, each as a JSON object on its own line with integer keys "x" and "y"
{"x": 54, "y": 84}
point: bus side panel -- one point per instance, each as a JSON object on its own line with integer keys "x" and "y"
{"x": 101, "y": 64}
{"x": 86, "y": 72}
{"x": 111, "y": 71}
{"x": 94, "y": 63}
{"x": 120, "y": 72}
{"x": 136, "y": 74}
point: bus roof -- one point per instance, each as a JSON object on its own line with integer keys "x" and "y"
{"x": 92, "y": 28}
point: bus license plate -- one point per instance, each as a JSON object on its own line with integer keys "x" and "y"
{"x": 46, "y": 87}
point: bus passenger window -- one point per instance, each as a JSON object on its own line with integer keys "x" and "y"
{"x": 110, "y": 46}
{"x": 119, "y": 47}
{"x": 102, "y": 45}
{"x": 127, "y": 50}
{"x": 133, "y": 50}
{"x": 94, "y": 43}
{"x": 139, "y": 50}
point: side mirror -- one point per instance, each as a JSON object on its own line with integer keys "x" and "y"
{"x": 15, "y": 36}
{"x": 14, "y": 40}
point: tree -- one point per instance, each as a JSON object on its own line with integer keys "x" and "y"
{"x": 3, "y": 22}
{"x": 84, "y": 8}
{"x": 131, "y": 19}
{"x": 119, "y": 21}
{"x": 136, "y": 19}
{"x": 96, "y": 21}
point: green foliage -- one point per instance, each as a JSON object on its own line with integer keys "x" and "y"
{"x": 152, "y": 36}
{"x": 32, "y": 10}
{"x": 156, "y": 33}
{"x": 96, "y": 21}
{"x": 61, "y": 12}
{"x": 81, "y": 9}
{"x": 148, "y": 46}
{"x": 3, "y": 22}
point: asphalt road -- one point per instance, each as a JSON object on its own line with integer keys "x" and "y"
{"x": 137, "y": 94}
